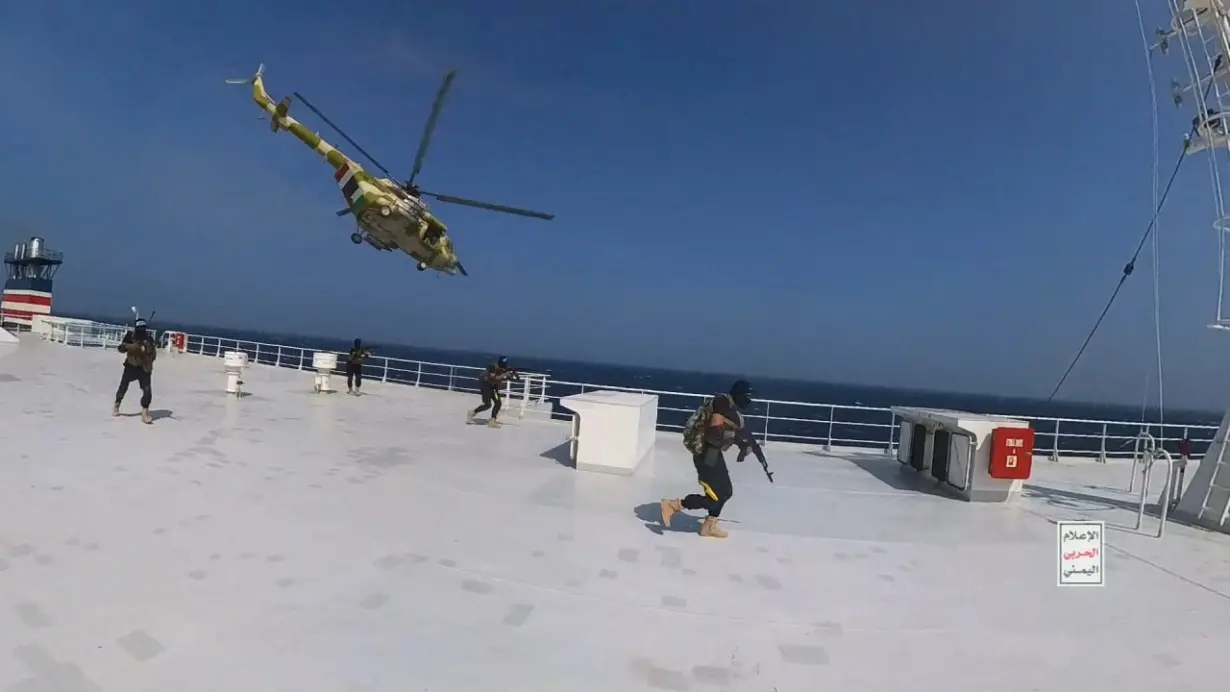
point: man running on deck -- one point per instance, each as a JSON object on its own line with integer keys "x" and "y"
{"x": 489, "y": 384}
{"x": 724, "y": 428}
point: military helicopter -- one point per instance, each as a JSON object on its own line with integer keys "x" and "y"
{"x": 391, "y": 215}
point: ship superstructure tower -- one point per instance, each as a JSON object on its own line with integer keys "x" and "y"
{"x": 30, "y": 268}
{"x": 1200, "y": 31}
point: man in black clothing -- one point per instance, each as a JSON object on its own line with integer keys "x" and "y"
{"x": 724, "y": 428}
{"x": 354, "y": 367}
{"x": 489, "y": 384}
{"x": 140, "y": 352}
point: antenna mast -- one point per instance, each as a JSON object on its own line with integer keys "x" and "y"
{"x": 1202, "y": 31}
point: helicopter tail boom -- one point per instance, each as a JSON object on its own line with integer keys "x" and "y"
{"x": 280, "y": 119}
{"x": 258, "y": 89}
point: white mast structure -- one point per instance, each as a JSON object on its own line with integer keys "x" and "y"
{"x": 1201, "y": 28}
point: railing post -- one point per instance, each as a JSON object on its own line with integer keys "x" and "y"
{"x": 1055, "y": 443}
{"x": 277, "y": 360}
{"x": 385, "y": 376}
{"x": 525, "y": 395}
{"x": 767, "y": 407}
{"x": 256, "y": 356}
{"x": 828, "y": 440}
{"x": 1102, "y": 452}
{"x": 451, "y": 370}
{"x": 892, "y": 433}
{"x": 418, "y": 376}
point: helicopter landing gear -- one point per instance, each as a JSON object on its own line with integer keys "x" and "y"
{"x": 385, "y": 211}
{"x": 356, "y": 238}
{"x": 421, "y": 267}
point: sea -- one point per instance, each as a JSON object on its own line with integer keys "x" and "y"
{"x": 837, "y": 414}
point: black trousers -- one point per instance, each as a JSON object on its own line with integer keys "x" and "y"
{"x": 135, "y": 373}
{"x": 491, "y": 400}
{"x": 354, "y": 376}
{"x": 714, "y": 479}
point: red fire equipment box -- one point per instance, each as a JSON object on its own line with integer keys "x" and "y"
{"x": 1012, "y": 453}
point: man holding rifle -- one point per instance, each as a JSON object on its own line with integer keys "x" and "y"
{"x": 712, "y": 430}
{"x": 140, "y": 352}
{"x": 489, "y": 384}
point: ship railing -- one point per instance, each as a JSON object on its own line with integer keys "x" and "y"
{"x": 773, "y": 421}
{"x": 809, "y": 423}
{"x": 526, "y": 395}
{"x": 871, "y": 427}
{"x": 82, "y": 333}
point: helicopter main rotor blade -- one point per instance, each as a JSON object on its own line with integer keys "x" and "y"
{"x": 449, "y": 199}
{"x": 345, "y": 136}
{"x": 430, "y": 127}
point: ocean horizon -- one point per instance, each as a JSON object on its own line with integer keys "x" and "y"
{"x": 697, "y": 382}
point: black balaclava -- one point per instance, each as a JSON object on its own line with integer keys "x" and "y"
{"x": 741, "y": 393}
{"x": 502, "y": 362}
{"x": 358, "y": 343}
{"x": 138, "y": 328}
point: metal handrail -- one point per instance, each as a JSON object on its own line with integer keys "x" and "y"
{"x": 826, "y": 425}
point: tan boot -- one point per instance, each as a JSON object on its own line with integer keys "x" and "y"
{"x": 669, "y": 507}
{"x": 493, "y": 423}
{"x": 469, "y": 418}
{"x": 709, "y": 528}
{"x": 145, "y": 417}
{"x": 115, "y": 410}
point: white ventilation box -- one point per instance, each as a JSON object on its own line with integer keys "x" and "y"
{"x": 614, "y": 431}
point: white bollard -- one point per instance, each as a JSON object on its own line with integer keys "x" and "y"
{"x": 233, "y": 363}
{"x": 324, "y": 364}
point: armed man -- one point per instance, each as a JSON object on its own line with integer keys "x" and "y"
{"x": 354, "y": 367}
{"x": 140, "y": 352}
{"x": 489, "y": 384}
{"x": 716, "y": 426}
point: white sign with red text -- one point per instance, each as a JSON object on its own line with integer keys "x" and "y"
{"x": 1081, "y": 557}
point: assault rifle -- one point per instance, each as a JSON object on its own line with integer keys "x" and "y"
{"x": 750, "y": 444}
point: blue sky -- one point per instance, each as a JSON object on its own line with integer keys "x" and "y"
{"x": 932, "y": 195}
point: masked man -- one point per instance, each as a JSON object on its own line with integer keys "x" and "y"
{"x": 140, "y": 352}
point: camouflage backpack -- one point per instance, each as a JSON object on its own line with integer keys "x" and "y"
{"x": 694, "y": 429}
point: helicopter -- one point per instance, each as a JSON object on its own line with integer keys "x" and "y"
{"x": 390, "y": 214}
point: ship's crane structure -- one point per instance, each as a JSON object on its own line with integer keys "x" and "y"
{"x": 1200, "y": 29}
{"x": 1199, "y": 33}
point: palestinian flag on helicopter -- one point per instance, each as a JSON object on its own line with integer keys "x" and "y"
{"x": 349, "y": 183}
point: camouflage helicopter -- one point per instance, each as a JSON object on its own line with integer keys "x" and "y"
{"x": 391, "y": 215}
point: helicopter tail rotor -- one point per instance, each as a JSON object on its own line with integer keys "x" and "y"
{"x": 250, "y": 80}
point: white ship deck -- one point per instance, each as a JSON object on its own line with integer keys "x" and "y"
{"x": 289, "y": 541}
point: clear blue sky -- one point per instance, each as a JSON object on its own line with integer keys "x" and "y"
{"x": 932, "y": 195}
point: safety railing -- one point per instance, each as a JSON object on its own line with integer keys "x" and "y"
{"x": 838, "y": 425}
{"x": 526, "y": 395}
{"x": 824, "y": 425}
{"x": 83, "y": 334}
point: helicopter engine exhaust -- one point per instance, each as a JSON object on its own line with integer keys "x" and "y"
{"x": 283, "y": 107}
